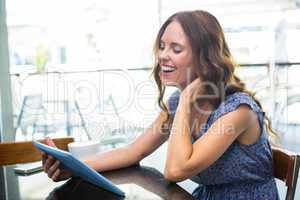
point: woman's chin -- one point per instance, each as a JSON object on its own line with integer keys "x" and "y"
{"x": 170, "y": 83}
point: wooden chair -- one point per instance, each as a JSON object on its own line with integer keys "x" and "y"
{"x": 286, "y": 168}
{"x": 23, "y": 152}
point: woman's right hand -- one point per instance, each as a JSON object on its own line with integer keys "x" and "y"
{"x": 53, "y": 167}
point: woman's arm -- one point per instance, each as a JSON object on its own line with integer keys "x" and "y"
{"x": 131, "y": 154}
{"x": 185, "y": 159}
{"x": 144, "y": 145}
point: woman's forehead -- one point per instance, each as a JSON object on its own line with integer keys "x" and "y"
{"x": 174, "y": 33}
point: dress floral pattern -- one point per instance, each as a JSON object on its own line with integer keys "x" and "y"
{"x": 243, "y": 172}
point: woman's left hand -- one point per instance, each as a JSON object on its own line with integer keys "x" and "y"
{"x": 192, "y": 91}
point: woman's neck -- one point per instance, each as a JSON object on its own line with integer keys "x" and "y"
{"x": 199, "y": 117}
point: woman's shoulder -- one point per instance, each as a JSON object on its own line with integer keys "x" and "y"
{"x": 233, "y": 101}
{"x": 239, "y": 98}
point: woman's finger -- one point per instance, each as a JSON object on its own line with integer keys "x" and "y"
{"x": 53, "y": 168}
{"x": 55, "y": 175}
{"x": 49, "y": 162}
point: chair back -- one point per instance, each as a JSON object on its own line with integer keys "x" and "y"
{"x": 286, "y": 168}
{"x": 23, "y": 152}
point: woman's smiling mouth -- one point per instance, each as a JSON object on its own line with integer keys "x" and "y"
{"x": 167, "y": 69}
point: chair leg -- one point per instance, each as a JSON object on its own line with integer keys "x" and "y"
{"x": 2, "y": 184}
{"x": 290, "y": 194}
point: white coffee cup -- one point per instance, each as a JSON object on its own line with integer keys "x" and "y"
{"x": 84, "y": 149}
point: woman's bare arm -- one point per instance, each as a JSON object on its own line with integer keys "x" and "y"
{"x": 131, "y": 154}
{"x": 144, "y": 145}
{"x": 185, "y": 159}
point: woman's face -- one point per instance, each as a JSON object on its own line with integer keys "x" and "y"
{"x": 175, "y": 57}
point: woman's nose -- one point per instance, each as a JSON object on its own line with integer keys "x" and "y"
{"x": 163, "y": 55}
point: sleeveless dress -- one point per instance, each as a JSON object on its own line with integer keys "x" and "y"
{"x": 243, "y": 172}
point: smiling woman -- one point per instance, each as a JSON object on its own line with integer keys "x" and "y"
{"x": 216, "y": 128}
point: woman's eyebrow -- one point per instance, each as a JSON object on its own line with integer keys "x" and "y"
{"x": 174, "y": 44}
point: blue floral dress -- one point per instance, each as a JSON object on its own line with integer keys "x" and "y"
{"x": 243, "y": 172}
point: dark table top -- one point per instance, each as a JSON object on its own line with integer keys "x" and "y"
{"x": 138, "y": 182}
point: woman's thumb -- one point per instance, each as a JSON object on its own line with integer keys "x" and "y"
{"x": 49, "y": 142}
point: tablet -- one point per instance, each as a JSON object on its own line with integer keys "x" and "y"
{"x": 80, "y": 169}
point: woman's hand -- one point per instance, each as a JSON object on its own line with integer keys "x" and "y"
{"x": 53, "y": 167}
{"x": 191, "y": 101}
{"x": 191, "y": 92}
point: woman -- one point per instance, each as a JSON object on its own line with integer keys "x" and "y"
{"x": 216, "y": 130}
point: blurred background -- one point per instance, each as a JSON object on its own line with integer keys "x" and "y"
{"x": 83, "y": 68}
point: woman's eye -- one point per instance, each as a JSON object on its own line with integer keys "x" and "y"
{"x": 177, "y": 49}
{"x": 161, "y": 46}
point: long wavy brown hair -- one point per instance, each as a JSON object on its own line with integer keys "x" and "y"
{"x": 212, "y": 61}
